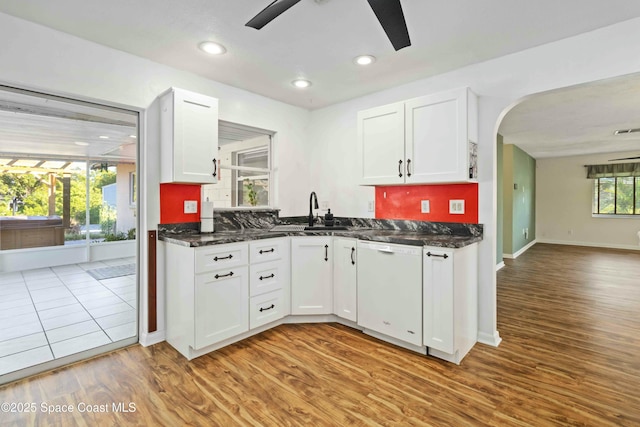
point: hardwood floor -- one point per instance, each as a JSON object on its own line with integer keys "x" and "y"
{"x": 570, "y": 322}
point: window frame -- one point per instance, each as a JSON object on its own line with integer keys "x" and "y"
{"x": 268, "y": 173}
{"x": 595, "y": 205}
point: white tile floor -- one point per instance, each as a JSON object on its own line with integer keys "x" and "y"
{"x": 50, "y": 313}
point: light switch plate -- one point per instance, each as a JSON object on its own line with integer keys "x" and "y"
{"x": 425, "y": 206}
{"x": 190, "y": 206}
{"x": 456, "y": 207}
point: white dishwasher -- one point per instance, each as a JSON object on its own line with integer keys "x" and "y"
{"x": 390, "y": 290}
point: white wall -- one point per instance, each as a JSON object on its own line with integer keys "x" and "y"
{"x": 564, "y": 205}
{"x": 38, "y": 58}
{"x": 322, "y": 142}
{"x": 500, "y": 83}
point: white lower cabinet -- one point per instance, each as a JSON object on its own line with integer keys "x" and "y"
{"x": 311, "y": 275}
{"x": 408, "y": 295}
{"x": 345, "y": 289}
{"x": 390, "y": 290}
{"x": 207, "y": 294}
{"x": 450, "y": 301}
{"x": 221, "y": 309}
{"x": 269, "y": 283}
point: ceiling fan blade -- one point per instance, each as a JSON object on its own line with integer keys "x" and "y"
{"x": 625, "y": 158}
{"x": 270, "y": 13}
{"x": 389, "y": 13}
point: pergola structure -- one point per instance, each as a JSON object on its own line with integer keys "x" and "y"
{"x": 53, "y": 169}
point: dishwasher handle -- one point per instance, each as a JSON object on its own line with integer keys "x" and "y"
{"x": 385, "y": 249}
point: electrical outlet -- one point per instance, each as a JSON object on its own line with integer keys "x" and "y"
{"x": 190, "y": 206}
{"x": 371, "y": 206}
{"x": 425, "y": 206}
{"x": 456, "y": 207}
{"x": 324, "y": 205}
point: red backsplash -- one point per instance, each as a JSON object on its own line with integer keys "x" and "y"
{"x": 404, "y": 202}
{"x": 172, "y": 197}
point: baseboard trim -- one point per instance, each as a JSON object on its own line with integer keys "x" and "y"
{"x": 493, "y": 340}
{"x": 589, "y": 244}
{"x": 147, "y": 339}
{"x": 500, "y": 266}
{"x": 521, "y": 251}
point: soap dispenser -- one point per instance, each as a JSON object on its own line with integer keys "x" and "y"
{"x": 328, "y": 219}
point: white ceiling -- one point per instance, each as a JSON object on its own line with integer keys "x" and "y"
{"x": 578, "y": 120}
{"x": 319, "y": 39}
{"x": 48, "y": 127}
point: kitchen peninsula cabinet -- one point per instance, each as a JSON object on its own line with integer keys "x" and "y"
{"x": 345, "y": 291}
{"x": 311, "y": 275}
{"x": 188, "y": 137}
{"x": 207, "y": 294}
{"x": 450, "y": 280}
{"x": 431, "y": 139}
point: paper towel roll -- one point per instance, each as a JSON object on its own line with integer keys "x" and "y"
{"x": 206, "y": 217}
{"x": 206, "y": 210}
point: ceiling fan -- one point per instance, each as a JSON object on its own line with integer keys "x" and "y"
{"x": 388, "y": 12}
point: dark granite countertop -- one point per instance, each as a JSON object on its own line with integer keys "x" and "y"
{"x": 404, "y": 237}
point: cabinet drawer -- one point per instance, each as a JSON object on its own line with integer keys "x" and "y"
{"x": 267, "y": 277}
{"x": 266, "y": 308}
{"x": 268, "y": 250}
{"x": 210, "y": 258}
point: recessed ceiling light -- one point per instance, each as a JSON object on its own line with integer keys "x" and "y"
{"x": 301, "y": 83}
{"x": 364, "y": 59}
{"x": 103, "y": 137}
{"x": 81, "y": 143}
{"x": 212, "y": 48}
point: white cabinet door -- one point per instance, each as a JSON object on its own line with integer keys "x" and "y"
{"x": 311, "y": 275}
{"x": 390, "y": 290}
{"x": 381, "y": 158}
{"x": 431, "y": 139}
{"x": 439, "y": 299}
{"x": 345, "y": 292}
{"x": 189, "y": 137}
{"x": 437, "y": 137}
{"x": 221, "y": 305}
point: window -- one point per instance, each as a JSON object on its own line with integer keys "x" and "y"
{"x": 251, "y": 179}
{"x": 616, "y": 196}
{"x": 246, "y": 174}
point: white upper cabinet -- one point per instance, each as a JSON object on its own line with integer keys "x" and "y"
{"x": 381, "y": 145}
{"x": 431, "y": 139}
{"x": 188, "y": 137}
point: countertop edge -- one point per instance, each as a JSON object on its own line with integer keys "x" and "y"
{"x": 220, "y": 238}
